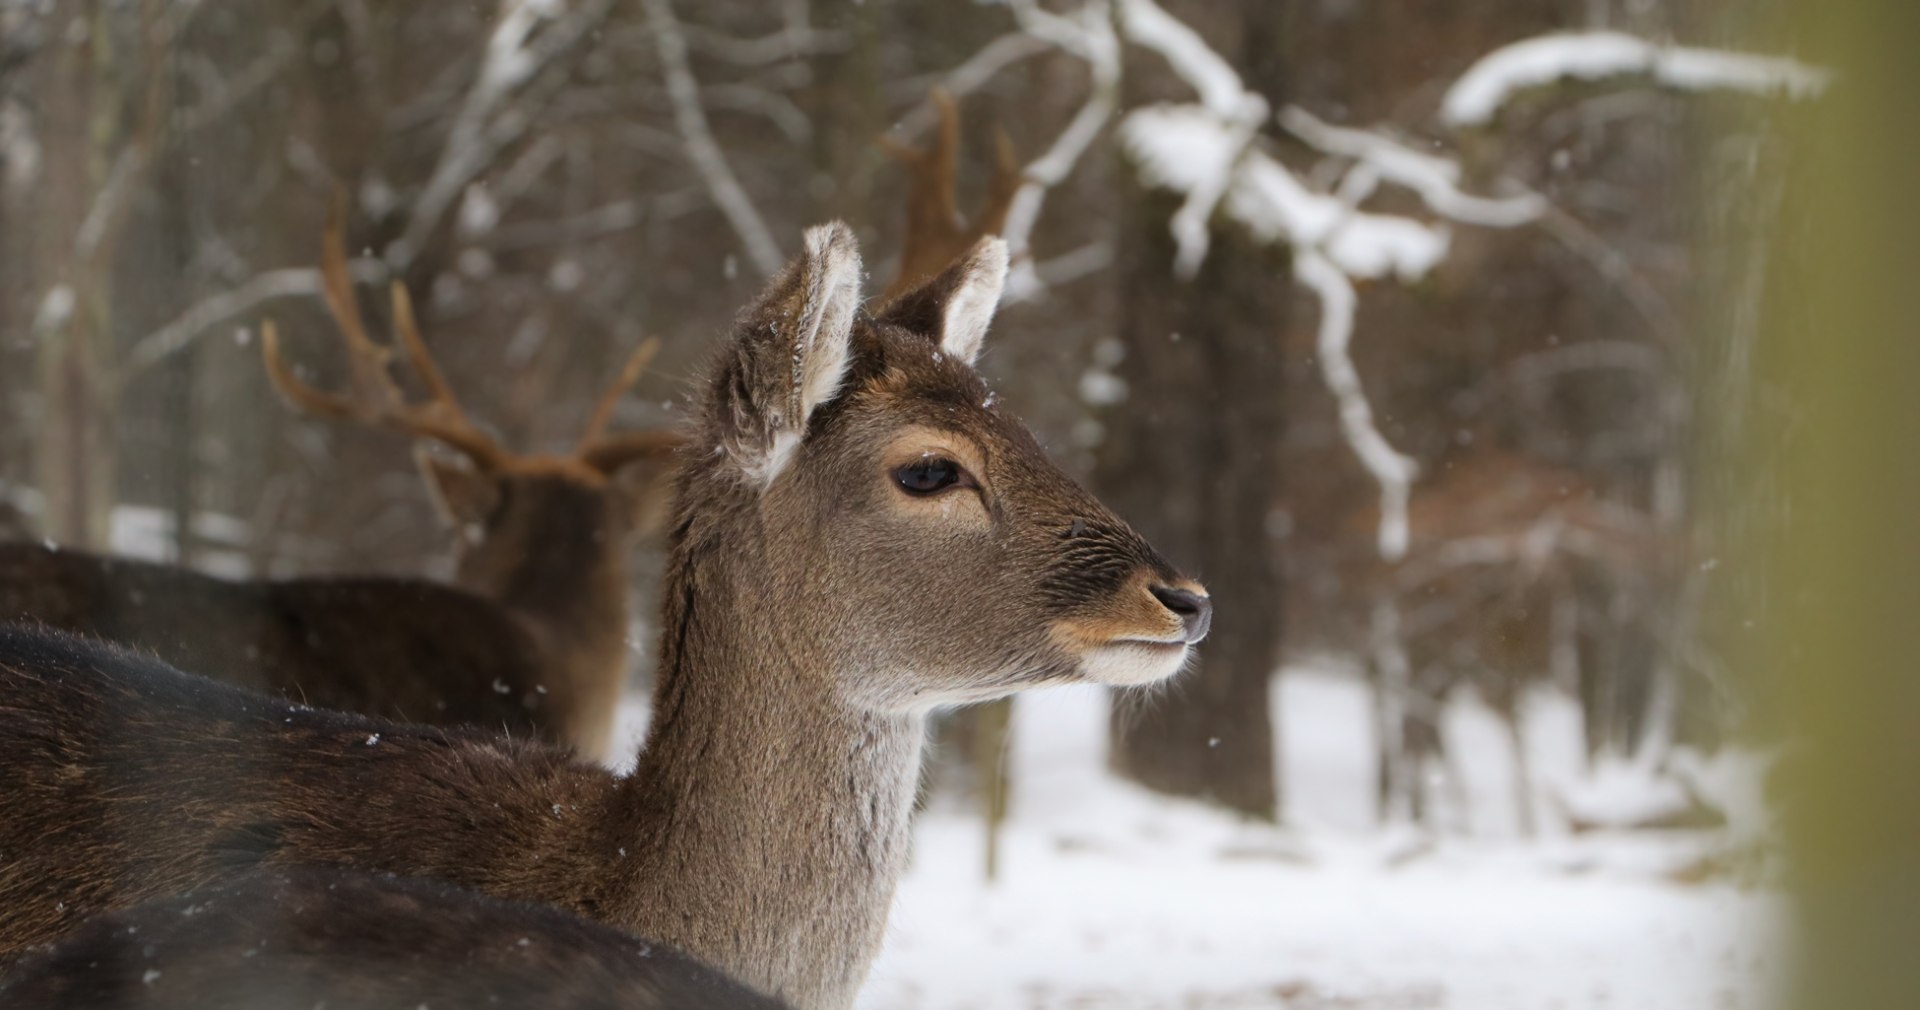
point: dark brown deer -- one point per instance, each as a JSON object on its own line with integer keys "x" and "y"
{"x": 533, "y": 641}
{"x": 859, "y": 535}
{"x": 297, "y": 938}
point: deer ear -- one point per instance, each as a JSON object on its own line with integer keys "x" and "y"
{"x": 791, "y": 351}
{"x": 465, "y": 496}
{"x": 956, "y": 307}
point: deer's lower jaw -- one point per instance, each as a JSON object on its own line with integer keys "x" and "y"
{"x": 1126, "y": 662}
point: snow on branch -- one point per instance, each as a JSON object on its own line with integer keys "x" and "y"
{"x": 1435, "y": 179}
{"x": 1392, "y": 469}
{"x": 1219, "y": 87}
{"x": 1090, "y": 36}
{"x": 1479, "y": 94}
{"x": 1186, "y": 147}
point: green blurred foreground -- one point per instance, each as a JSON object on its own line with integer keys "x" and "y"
{"x": 1843, "y": 345}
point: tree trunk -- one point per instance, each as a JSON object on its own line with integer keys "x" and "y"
{"x": 1192, "y": 455}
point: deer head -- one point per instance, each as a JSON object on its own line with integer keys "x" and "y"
{"x": 867, "y": 469}
{"x": 504, "y": 504}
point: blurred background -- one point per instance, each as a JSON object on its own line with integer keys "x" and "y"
{"x": 1429, "y": 335}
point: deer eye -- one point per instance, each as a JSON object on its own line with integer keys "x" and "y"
{"x": 930, "y": 475}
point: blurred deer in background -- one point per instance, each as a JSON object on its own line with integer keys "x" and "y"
{"x": 1505, "y": 553}
{"x": 937, "y": 234}
{"x": 860, "y": 535}
{"x": 533, "y": 641}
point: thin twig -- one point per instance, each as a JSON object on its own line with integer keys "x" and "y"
{"x": 701, "y": 148}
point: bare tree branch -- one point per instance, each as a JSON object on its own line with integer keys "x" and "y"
{"x": 513, "y": 56}
{"x": 701, "y": 148}
{"x": 176, "y": 336}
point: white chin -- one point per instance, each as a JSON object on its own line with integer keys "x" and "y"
{"x": 1125, "y": 664}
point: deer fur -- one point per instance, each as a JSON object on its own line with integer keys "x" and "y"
{"x": 297, "y": 938}
{"x": 532, "y": 641}
{"x": 814, "y": 612}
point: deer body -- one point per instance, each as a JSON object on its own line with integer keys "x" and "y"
{"x": 858, "y": 537}
{"x": 298, "y": 938}
{"x": 533, "y": 641}
{"x": 400, "y": 648}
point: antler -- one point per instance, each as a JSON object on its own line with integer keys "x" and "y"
{"x": 376, "y": 398}
{"x": 607, "y": 453}
{"x": 937, "y": 234}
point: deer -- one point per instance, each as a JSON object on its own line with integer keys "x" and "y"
{"x": 1489, "y": 596}
{"x": 531, "y": 641}
{"x": 860, "y": 534}
{"x": 299, "y": 937}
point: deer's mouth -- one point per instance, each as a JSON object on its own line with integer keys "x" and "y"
{"x": 1127, "y": 662}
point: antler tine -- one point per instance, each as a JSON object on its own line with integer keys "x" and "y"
{"x": 376, "y": 398}
{"x": 1008, "y": 177}
{"x": 630, "y": 373}
{"x": 937, "y": 233}
{"x": 441, "y": 417}
{"x": 366, "y": 359}
{"x": 307, "y": 398}
{"x": 934, "y": 225}
{"x": 615, "y": 451}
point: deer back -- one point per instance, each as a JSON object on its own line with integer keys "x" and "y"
{"x": 399, "y": 648}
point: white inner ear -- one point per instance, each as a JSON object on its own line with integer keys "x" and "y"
{"x": 821, "y": 347}
{"x": 970, "y": 308}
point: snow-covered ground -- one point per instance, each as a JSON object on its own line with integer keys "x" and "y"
{"x": 1110, "y": 897}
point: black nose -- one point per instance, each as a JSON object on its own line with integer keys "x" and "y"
{"x": 1195, "y": 610}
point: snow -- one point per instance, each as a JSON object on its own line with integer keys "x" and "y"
{"x": 1392, "y": 469}
{"x": 1479, "y": 94}
{"x": 1435, "y": 179}
{"x": 1219, "y": 87}
{"x": 1186, "y": 147}
{"x": 1114, "y": 898}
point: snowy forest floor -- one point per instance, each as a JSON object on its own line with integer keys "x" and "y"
{"x": 1110, "y": 897}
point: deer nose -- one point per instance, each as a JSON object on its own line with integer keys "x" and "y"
{"x": 1194, "y": 610}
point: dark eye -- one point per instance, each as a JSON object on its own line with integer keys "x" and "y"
{"x": 929, "y": 475}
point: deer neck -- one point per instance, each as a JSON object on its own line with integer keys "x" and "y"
{"x": 776, "y": 810}
{"x": 571, "y": 590}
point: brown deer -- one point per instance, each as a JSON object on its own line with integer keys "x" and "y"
{"x": 533, "y": 640}
{"x": 296, "y": 938}
{"x": 859, "y": 535}
{"x": 1489, "y": 597}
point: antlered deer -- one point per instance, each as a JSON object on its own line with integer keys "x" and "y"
{"x": 296, "y": 938}
{"x": 859, "y": 535}
{"x": 533, "y": 640}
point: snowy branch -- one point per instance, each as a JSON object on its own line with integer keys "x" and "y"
{"x": 1392, "y": 469}
{"x": 1092, "y": 38}
{"x": 702, "y": 149}
{"x": 1479, "y": 94}
{"x": 1435, "y": 179}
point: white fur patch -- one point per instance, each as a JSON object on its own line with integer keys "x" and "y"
{"x": 820, "y": 342}
{"x": 969, "y": 310}
{"x": 1129, "y": 664}
{"x": 821, "y": 345}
